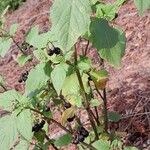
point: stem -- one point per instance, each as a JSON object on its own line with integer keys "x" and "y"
{"x": 105, "y": 111}
{"x": 85, "y": 97}
{"x": 5, "y": 89}
{"x": 86, "y": 49}
{"x": 62, "y": 127}
{"x": 48, "y": 139}
{"x": 17, "y": 45}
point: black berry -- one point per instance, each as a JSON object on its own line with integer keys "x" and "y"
{"x": 50, "y": 52}
{"x": 20, "y": 80}
{"x": 80, "y": 138}
{"x": 36, "y": 128}
{"x": 83, "y": 132}
{"x": 67, "y": 105}
{"x": 89, "y": 78}
{"x": 57, "y": 50}
{"x": 47, "y": 109}
{"x": 76, "y": 141}
{"x": 70, "y": 119}
{"x": 42, "y": 123}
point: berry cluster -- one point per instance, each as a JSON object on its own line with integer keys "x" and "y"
{"x": 54, "y": 50}
{"x": 24, "y": 77}
{"x": 82, "y": 133}
{"x": 38, "y": 126}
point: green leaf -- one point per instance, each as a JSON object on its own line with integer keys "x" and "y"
{"x": 8, "y": 98}
{"x": 130, "y": 148}
{"x": 13, "y": 29}
{"x": 5, "y": 45}
{"x": 108, "y": 11}
{"x": 63, "y": 140}
{"x": 8, "y": 132}
{"x": 23, "y": 59}
{"x": 70, "y": 23}
{"x": 109, "y": 41}
{"x": 37, "y": 78}
{"x": 58, "y": 76}
{"x": 24, "y": 124}
{"x": 84, "y": 63}
{"x": 101, "y": 145}
{"x": 40, "y": 55}
{"x": 23, "y": 145}
{"x": 142, "y": 5}
{"x": 95, "y": 102}
{"x": 114, "y": 116}
{"x": 38, "y": 40}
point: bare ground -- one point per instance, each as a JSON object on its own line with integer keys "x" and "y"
{"x": 129, "y": 86}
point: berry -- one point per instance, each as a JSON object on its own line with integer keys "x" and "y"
{"x": 20, "y": 80}
{"x": 47, "y": 109}
{"x": 36, "y": 128}
{"x": 80, "y": 138}
{"x": 41, "y": 124}
{"x": 83, "y": 132}
{"x": 67, "y": 105}
{"x": 71, "y": 119}
{"x": 57, "y": 50}
{"x": 50, "y": 52}
{"x": 76, "y": 141}
{"x": 89, "y": 78}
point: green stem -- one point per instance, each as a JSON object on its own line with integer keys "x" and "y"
{"x": 85, "y": 97}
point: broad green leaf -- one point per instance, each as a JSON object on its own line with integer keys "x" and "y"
{"x": 5, "y": 45}
{"x": 58, "y": 76}
{"x": 142, "y": 5}
{"x": 23, "y": 59}
{"x": 68, "y": 113}
{"x": 7, "y": 99}
{"x": 63, "y": 140}
{"x": 37, "y": 78}
{"x": 110, "y": 42}
{"x": 130, "y": 148}
{"x": 13, "y": 29}
{"x": 84, "y": 63}
{"x": 95, "y": 102}
{"x": 71, "y": 85}
{"x": 40, "y": 55}
{"x": 101, "y": 145}
{"x": 109, "y": 10}
{"x": 114, "y": 116}
{"x": 23, "y": 145}
{"x": 70, "y": 23}
{"x": 93, "y": 2}
{"x": 38, "y": 40}
{"x": 8, "y": 132}
{"x": 24, "y": 124}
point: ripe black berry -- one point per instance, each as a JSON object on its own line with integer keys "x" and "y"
{"x": 83, "y": 132}
{"x": 42, "y": 123}
{"x": 71, "y": 119}
{"x": 67, "y": 105}
{"x": 80, "y": 138}
{"x": 20, "y": 80}
{"x": 76, "y": 141}
{"x": 47, "y": 109}
{"x": 57, "y": 50}
{"x": 36, "y": 128}
{"x": 89, "y": 78}
{"x": 50, "y": 52}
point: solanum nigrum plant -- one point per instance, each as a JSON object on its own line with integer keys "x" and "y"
{"x": 64, "y": 79}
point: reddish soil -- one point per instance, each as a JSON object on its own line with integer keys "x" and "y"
{"x": 129, "y": 86}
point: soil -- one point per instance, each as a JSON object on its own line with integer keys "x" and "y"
{"x": 129, "y": 86}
